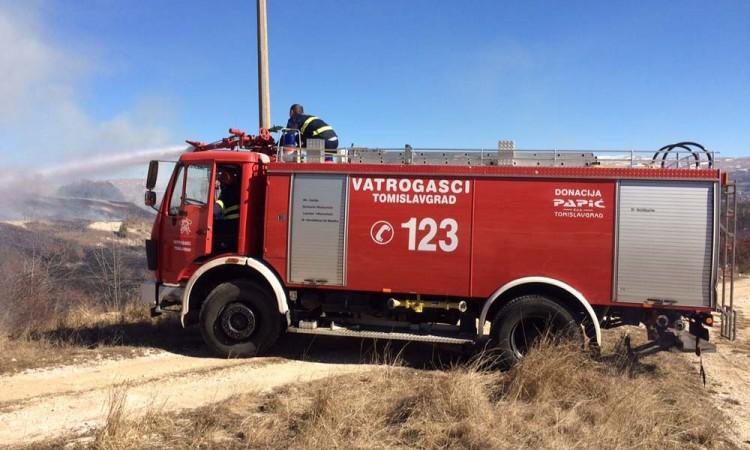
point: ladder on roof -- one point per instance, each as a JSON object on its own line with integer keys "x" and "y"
{"x": 727, "y": 263}
{"x": 676, "y": 156}
{"x": 504, "y": 155}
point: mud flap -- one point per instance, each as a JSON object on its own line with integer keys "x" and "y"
{"x": 694, "y": 339}
{"x": 688, "y": 342}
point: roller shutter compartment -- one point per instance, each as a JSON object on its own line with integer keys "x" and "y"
{"x": 665, "y": 241}
{"x": 318, "y": 229}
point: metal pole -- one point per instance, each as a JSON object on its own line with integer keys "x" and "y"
{"x": 264, "y": 96}
{"x": 725, "y": 240}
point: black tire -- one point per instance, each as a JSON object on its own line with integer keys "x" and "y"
{"x": 522, "y": 321}
{"x": 239, "y": 319}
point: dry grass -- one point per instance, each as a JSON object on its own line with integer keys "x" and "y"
{"x": 85, "y": 334}
{"x": 557, "y": 399}
{"x": 115, "y": 425}
{"x": 69, "y": 294}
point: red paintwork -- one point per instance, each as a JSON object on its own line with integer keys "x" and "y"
{"x": 276, "y": 223}
{"x": 374, "y": 267}
{"x": 517, "y": 235}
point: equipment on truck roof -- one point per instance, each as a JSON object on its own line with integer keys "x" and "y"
{"x": 239, "y": 140}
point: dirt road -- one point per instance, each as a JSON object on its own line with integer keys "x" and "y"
{"x": 44, "y": 403}
{"x": 728, "y": 370}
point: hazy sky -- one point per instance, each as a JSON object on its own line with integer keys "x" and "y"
{"x": 79, "y": 78}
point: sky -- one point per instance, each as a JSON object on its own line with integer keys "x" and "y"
{"x": 84, "y": 78}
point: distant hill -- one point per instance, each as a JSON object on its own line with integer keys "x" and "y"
{"x": 92, "y": 190}
{"x": 132, "y": 189}
{"x": 82, "y": 200}
{"x": 68, "y": 208}
{"x": 739, "y": 171}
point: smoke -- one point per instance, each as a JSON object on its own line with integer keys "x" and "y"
{"x": 52, "y": 133}
{"x": 46, "y": 118}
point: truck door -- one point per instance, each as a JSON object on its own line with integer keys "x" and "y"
{"x": 185, "y": 231}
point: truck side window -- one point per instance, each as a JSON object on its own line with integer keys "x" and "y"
{"x": 197, "y": 186}
{"x": 175, "y": 199}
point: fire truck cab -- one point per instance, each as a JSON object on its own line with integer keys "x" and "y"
{"x": 452, "y": 247}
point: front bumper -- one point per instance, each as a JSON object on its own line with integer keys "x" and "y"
{"x": 160, "y": 295}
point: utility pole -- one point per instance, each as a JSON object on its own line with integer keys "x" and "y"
{"x": 264, "y": 95}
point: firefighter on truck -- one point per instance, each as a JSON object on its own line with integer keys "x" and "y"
{"x": 311, "y": 127}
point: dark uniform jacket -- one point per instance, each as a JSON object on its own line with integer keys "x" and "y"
{"x": 313, "y": 127}
{"x": 228, "y": 204}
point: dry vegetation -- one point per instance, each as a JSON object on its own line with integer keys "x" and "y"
{"x": 743, "y": 236}
{"x": 64, "y": 291}
{"x": 554, "y": 399}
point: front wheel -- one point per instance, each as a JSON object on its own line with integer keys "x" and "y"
{"x": 239, "y": 319}
{"x": 524, "y": 321}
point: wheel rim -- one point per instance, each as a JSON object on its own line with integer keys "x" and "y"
{"x": 526, "y": 332}
{"x": 237, "y": 321}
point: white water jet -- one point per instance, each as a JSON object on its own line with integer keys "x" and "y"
{"x": 31, "y": 179}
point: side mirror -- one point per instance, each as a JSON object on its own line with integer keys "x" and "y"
{"x": 153, "y": 171}
{"x": 150, "y": 198}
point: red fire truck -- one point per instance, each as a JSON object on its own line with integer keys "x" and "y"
{"x": 461, "y": 247}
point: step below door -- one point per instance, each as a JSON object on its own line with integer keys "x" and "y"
{"x": 665, "y": 242}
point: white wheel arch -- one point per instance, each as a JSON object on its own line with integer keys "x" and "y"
{"x": 253, "y": 264}
{"x": 541, "y": 280}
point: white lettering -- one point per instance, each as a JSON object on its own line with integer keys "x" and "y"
{"x": 578, "y": 192}
{"x": 412, "y": 191}
{"x": 430, "y": 226}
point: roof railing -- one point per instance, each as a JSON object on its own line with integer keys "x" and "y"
{"x": 677, "y": 156}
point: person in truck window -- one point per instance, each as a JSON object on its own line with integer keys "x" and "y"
{"x": 227, "y": 210}
{"x": 227, "y": 206}
{"x": 311, "y": 127}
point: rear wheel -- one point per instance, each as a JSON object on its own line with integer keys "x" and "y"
{"x": 239, "y": 319}
{"x": 524, "y": 321}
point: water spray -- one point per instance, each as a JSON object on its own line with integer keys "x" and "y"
{"x": 119, "y": 161}
{"x": 94, "y": 165}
